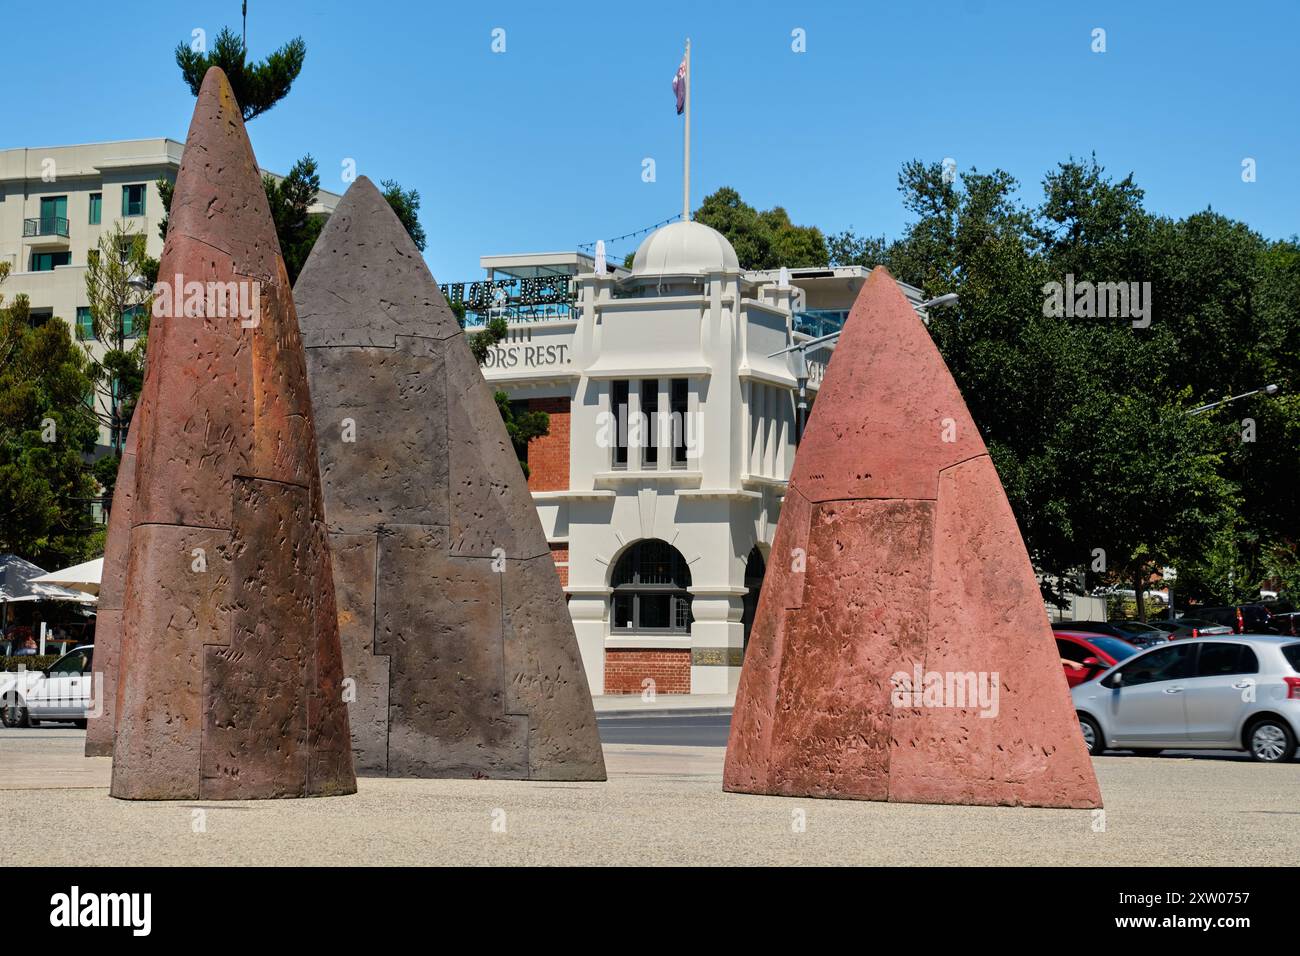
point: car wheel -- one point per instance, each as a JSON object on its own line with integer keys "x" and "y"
{"x": 1145, "y": 751}
{"x": 13, "y": 713}
{"x": 1092, "y": 738}
{"x": 1270, "y": 741}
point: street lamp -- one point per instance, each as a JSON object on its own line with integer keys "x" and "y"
{"x": 800, "y": 350}
{"x": 942, "y": 302}
{"x": 1266, "y": 390}
{"x": 139, "y": 283}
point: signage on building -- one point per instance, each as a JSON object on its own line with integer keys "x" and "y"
{"x": 526, "y": 356}
{"x": 529, "y": 300}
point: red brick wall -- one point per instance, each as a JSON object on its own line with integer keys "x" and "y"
{"x": 560, "y": 553}
{"x": 548, "y": 456}
{"x": 626, "y": 669}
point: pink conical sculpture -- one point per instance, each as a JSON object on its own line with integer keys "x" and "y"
{"x": 898, "y": 590}
{"x": 229, "y": 682}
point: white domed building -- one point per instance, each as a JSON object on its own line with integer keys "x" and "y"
{"x": 672, "y": 438}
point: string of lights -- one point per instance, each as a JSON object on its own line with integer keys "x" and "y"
{"x": 591, "y": 246}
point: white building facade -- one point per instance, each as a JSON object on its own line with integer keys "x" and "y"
{"x": 672, "y": 437}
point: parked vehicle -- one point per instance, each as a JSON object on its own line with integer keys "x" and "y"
{"x": 1242, "y": 618}
{"x": 1135, "y": 636}
{"x": 1140, "y": 633}
{"x": 63, "y": 692}
{"x": 1287, "y": 623}
{"x": 1191, "y": 627}
{"x": 1091, "y": 653}
{"x": 1229, "y": 693}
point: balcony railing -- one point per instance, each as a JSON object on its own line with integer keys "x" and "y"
{"x": 45, "y": 226}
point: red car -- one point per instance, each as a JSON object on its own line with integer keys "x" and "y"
{"x": 1084, "y": 655}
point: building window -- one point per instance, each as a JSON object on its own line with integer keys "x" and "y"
{"x": 46, "y": 261}
{"x": 650, "y": 423}
{"x": 650, "y": 583}
{"x": 618, "y": 393}
{"x": 130, "y": 327}
{"x": 96, "y": 208}
{"x": 133, "y": 200}
{"x": 85, "y": 324}
{"x": 678, "y": 402}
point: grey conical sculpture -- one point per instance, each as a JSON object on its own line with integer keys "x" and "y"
{"x": 453, "y": 622}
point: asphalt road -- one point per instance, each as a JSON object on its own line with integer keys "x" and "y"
{"x": 665, "y": 730}
{"x": 710, "y": 730}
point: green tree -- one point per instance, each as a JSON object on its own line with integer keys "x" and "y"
{"x": 47, "y": 431}
{"x": 117, "y": 289}
{"x": 522, "y": 426}
{"x": 257, "y": 86}
{"x": 290, "y": 199}
{"x": 1085, "y": 418}
{"x": 762, "y": 240}
{"x": 406, "y": 203}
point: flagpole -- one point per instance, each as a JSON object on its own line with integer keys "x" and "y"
{"x": 686, "y": 152}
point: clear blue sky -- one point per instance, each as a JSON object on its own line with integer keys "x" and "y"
{"x": 540, "y": 148}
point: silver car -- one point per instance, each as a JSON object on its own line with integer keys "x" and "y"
{"x": 1219, "y": 693}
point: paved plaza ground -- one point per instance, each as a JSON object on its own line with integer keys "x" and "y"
{"x": 661, "y": 805}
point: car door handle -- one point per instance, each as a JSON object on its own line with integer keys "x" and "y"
{"x": 1243, "y": 684}
{"x": 1173, "y": 690}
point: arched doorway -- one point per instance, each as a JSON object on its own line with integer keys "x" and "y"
{"x": 755, "y": 568}
{"x": 650, "y": 582}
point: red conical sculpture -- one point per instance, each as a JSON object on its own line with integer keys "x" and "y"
{"x": 898, "y": 591}
{"x": 230, "y": 676}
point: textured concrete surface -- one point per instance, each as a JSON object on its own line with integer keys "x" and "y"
{"x": 897, "y": 554}
{"x": 661, "y": 806}
{"x": 112, "y": 592}
{"x": 229, "y": 682}
{"x": 451, "y": 613}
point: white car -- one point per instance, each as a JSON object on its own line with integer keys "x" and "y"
{"x": 1237, "y": 692}
{"x": 64, "y": 692}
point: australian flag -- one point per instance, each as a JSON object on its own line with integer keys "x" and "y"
{"x": 679, "y": 87}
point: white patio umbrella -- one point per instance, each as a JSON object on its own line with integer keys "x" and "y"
{"x": 18, "y": 585}
{"x": 80, "y": 577}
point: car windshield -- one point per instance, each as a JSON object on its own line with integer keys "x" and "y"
{"x": 1116, "y": 648}
{"x": 1133, "y": 627}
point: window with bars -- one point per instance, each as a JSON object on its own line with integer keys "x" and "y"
{"x": 651, "y": 584}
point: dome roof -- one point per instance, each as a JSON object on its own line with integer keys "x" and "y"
{"x": 684, "y": 248}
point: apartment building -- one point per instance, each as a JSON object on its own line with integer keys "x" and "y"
{"x": 56, "y": 202}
